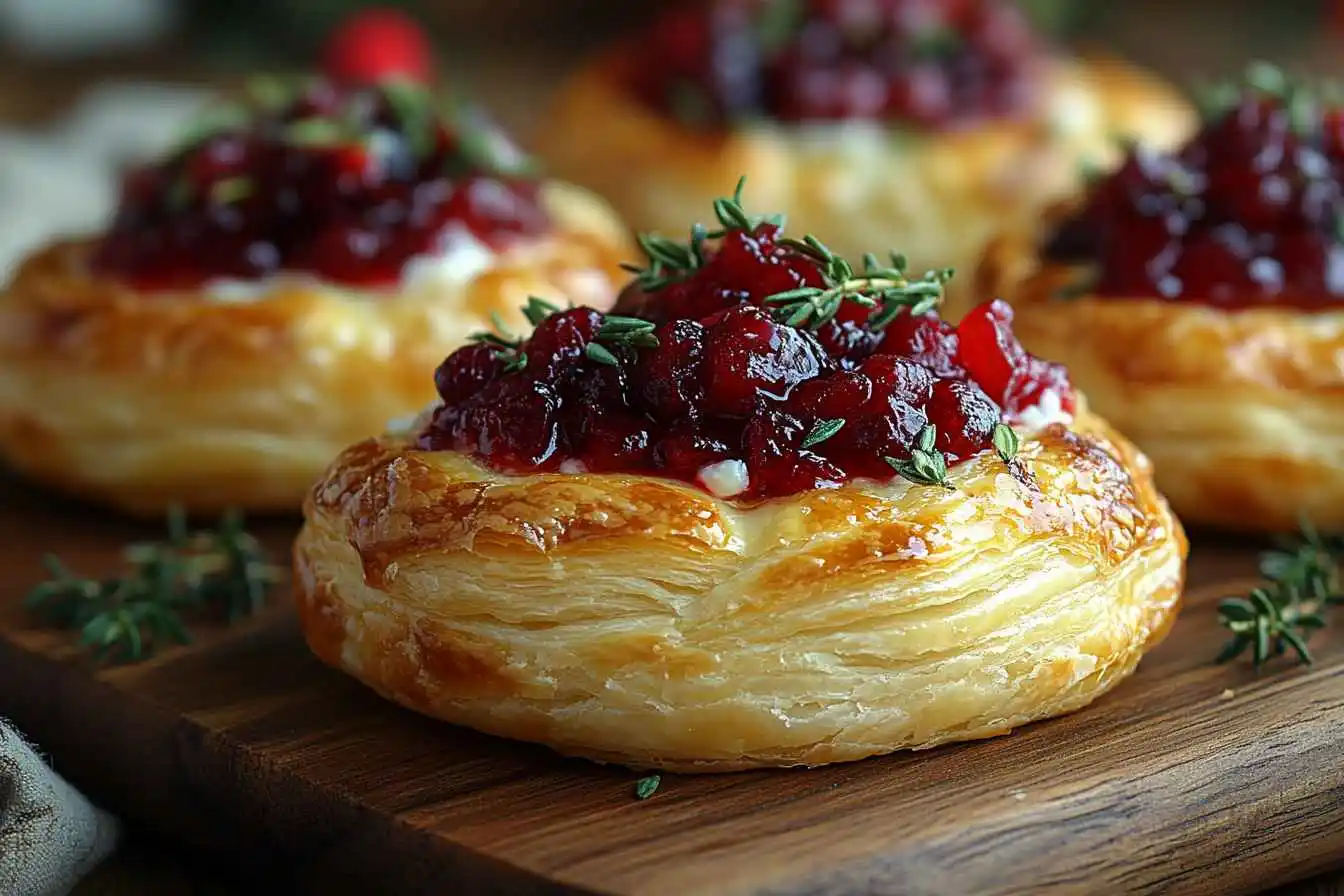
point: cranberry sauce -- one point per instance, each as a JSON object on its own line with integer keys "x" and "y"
{"x": 345, "y": 183}
{"x": 931, "y": 63}
{"x": 1248, "y": 213}
{"x": 752, "y": 364}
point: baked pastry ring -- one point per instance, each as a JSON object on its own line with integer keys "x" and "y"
{"x": 1236, "y": 392}
{"x": 193, "y": 396}
{"x": 639, "y": 619}
{"x": 939, "y": 194}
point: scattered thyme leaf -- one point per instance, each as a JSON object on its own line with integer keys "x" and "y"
{"x": 647, "y": 787}
{"x": 822, "y": 430}
{"x": 1005, "y": 442}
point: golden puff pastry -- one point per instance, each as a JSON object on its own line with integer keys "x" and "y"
{"x": 143, "y": 400}
{"x": 939, "y": 195}
{"x": 1241, "y": 411}
{"x": 642, "y": 621}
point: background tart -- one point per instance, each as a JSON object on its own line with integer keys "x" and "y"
{"x": 1196, "y": 298}
{"x": 930, "y": 134}
{"x": 272, "y": 290}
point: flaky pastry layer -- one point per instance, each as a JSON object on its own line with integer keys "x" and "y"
{"x": 642, "y": 621}
{"x": 863, "y": 186}
{"x": 144, "y": 400}
{"x": 1241, "y": 412}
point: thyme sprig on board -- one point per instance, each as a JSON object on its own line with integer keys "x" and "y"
{"x": 1301, "y": 582}
{"x": 222, "y": 571}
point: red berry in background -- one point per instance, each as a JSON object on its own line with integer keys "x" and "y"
{"x": 376, "y": 45}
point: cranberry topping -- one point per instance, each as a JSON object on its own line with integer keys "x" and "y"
{"x": 1248, "y": 213}
{"x": 933, "y": 63}
{"x": 718, "y": 369}
{"x": 346, "y": 183}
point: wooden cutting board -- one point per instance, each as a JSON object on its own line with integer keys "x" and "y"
{"x": 1189, "y": 778}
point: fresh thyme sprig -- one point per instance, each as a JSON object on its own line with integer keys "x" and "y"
{"x": 1302, "y": 580}
{"x": 926, "y": 465}
{"x": 884, "y": 287}
{"x": 887, "y": 289}
{"x": 671, "y": 262}
{"x": 127, "y": 618}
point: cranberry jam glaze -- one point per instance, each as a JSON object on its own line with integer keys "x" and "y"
{"x": 933, "y": 63}
{"x": 347, "y": 183}
{"x": 753, "y": 365}
{"x": 1249, "y": 213}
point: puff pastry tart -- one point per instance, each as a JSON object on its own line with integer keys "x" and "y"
{"x": 778, "y": 513}
{"x": 923, "y": 124}
{"x": 1197, "y": 298}
{"x": 273, "y": 289}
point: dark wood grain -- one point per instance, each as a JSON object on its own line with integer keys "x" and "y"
{"x": 1190, "y": 778}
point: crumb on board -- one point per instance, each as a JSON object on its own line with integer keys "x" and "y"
{"x": 1227, "y": 694}
{"x": 1018, "y": 795}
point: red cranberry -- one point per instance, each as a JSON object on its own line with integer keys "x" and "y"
{"x": 466, "y": 371}
{"x": 988, "y": 349}
{"x": 776, "y": 462}
{"x": 1031, "y": 381}
{"x": 377, "y": 44}
{"x": 898, "y": 380}
{"x": 689, "y": 445}
{"x": 965, "y": 417}
{"x": 750, "y": 358}
{"x": 513, "y": 422}
{"x": 561, "y": 338}
{"x": 670, "y": 374}
{"x": 926, "y": 339}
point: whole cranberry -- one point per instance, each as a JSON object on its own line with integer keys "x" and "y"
{"x": 965, "y": 417}
{"x": 750, "y": 358}
{"x": 839, "y": 395}
{"x": 896, "y": 380}
{"x": 670, "y": 378}
{"x": 776, "y": 462}
{"x": 466, "y": 371}
{"x": 926, "y": 339}
{"x": 376, "y": 45}
{"x": 690, "y": 444}
{"x": 513, "y": 421}
{"x": 559, "y": 339}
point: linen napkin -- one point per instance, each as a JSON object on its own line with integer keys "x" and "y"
{"x": 50, "y": 835}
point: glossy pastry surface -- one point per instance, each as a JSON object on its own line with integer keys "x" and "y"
{"x": 1196, "y": 299}
{"x": 927, "y": 127}
{"x": 774, "y": 512}
{"x": 272, "y": 290}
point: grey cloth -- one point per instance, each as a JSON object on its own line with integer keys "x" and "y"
{"x": 50, "y": 835}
